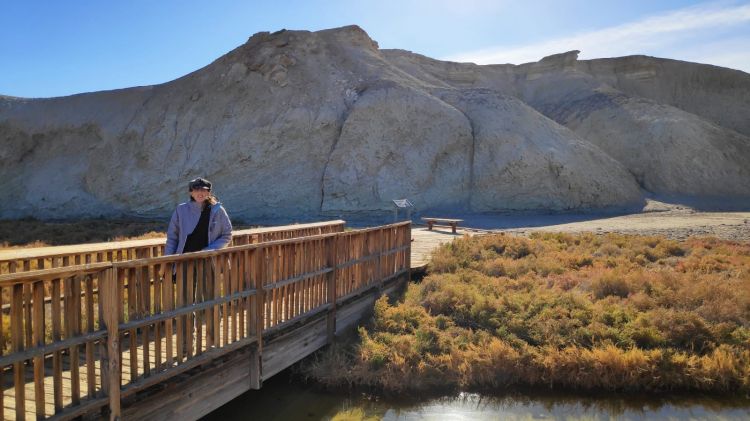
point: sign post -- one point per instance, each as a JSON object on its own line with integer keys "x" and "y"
{"x": 402, "y": 204}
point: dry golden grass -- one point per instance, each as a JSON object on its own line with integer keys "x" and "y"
{"x": 32, "y": 233}
{"x": 614, "y": 312}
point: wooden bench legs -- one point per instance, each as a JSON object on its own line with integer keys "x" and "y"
{"x": 453, "y": 225}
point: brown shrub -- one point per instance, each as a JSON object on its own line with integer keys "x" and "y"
{"x": 610, "y": 312}
{"x": 610, "y": 284}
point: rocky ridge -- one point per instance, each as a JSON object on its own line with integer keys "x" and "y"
{"x": 297, "y": 124}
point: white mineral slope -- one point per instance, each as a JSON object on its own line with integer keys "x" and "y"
{"x": 523, "y": 160}
{"x": 676, "y": 150}
{"x": 671, "y": 152}
{"x": 717, "y": 94}
{"x": 297, "y": 124}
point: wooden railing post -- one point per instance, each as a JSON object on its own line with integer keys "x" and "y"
{"x": 331, "y": 262}
{"x": 111, "y": 370}
{"x": 408, "y": 252}
{"x": 255, "y": 261}
{"x": 380, "y": 279}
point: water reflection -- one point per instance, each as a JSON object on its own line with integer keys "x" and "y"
{"x": 532, "y": 407}
{"x": 282, "y": 399}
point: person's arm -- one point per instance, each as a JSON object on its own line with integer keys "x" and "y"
{"x": 173, "y": 235}
{"x": 226, "y": 231}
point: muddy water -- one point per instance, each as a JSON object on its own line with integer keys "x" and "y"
{"x": 282, "y": 399}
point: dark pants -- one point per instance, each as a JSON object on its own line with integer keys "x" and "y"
{"x": 202, "y": 290}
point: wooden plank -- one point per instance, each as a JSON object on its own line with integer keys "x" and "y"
{"x": 265, "y": 276}
{"x": 56, "y": 336}
{"x": 168, "y": 299}
{"x": 73, "y": 313}
{"x": 90, "y": 366}
{"x": 274, "y": 292}
{"x": 35, "y": 351}
{"x": 27, "y": 315}
{"x": 246, "y": 284}
{"x": 38, "y": 328}
{"x": 256, "y": 369}
{"x": 209, "y": 253}
{"x": 87, "y": 407}
{"x": 293, "y": 302}
{"x": 144, "y": 310}
{"x": 214, "y": 290}
{"x": 235, "y": 275}
{"x": 180, "y": 320}
{"x": 185, "y": 310}
{"x": 222, "y": 383}
{"x": 284, "y": 253}
{"x": 195, "y": 287}
{"x": 110, "y": 293}
{"x": 156, "y": 275}
{"x": 258, "y": 305}
{"x": 116, "y": 246}
{"x": 224, "y": 276}
{"x": 132, "y": 315}
{"x": 17, "y": 342}
{"x": 285, "y": 350}
{"x": 407, "y": 253}
{"x": 9, "y": 279}
{"x": 222, "y": 292}
{"x": 121, "y": 275}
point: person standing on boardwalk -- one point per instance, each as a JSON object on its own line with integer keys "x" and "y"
{"x": 199, "y": 224}
{"x": 196, "y": 225}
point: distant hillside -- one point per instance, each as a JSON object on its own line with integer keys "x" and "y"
{"x": 299, "y": 123}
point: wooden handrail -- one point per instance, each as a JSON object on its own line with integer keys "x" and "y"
{"x": 174, "y": 258}
{"x": 43, "y": 350}
{"x": 9, "y": 279}
{"x": 58, "y": 252}
{"x": 174, "y": 313}
{"x": 133, "y": 324}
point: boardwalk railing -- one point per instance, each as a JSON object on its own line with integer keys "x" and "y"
{"x": 24, "y": 260}
{"x": 157, "y": 317}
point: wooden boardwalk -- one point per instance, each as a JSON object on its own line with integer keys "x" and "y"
{"x": 424, "y": 242}
{"x": 226, "y": 336}
{"x": 87, "y": 338}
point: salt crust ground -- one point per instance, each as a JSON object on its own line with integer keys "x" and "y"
{"x": 672, "y": 221}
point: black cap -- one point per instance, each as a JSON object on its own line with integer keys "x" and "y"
{"x": 199, "y": 183}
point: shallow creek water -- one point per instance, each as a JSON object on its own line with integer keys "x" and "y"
{"x": 283, "y": 399}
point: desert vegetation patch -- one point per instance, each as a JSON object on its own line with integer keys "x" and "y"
{"x": 584, "y": 311}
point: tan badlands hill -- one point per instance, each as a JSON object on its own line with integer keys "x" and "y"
{"x": 299, "y": 123}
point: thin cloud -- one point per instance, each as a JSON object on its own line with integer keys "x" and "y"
{"x": 654, "y": 35}
{"x": 727, "y": 52}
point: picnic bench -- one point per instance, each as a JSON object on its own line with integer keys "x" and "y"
{"x": 453, "y": 223}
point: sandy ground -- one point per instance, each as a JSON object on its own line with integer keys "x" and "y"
{"x": 676, "y": 225}
{"x": 670, "y": 221}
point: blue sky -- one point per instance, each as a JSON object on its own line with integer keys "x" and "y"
{"x": 54, "y": 48}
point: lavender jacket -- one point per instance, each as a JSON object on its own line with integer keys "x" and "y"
{"x": 183, "y": 222}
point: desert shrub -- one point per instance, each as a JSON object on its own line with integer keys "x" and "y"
{"x": 610, "y": 283}
{"x": 683, "y": 329}
{"x": 611, "y": 312}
